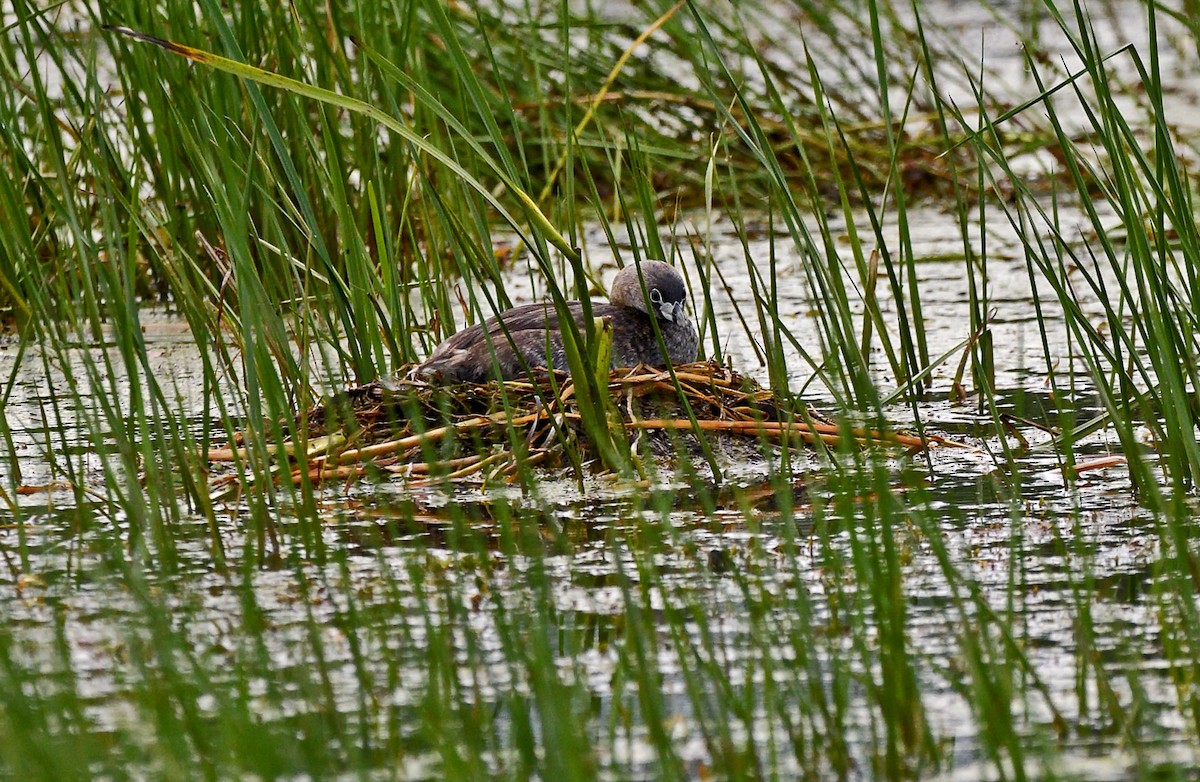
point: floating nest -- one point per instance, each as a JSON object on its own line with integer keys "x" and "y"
{"x": 494, "y": 430}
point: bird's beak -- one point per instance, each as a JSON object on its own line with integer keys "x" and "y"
{"x": 667, "y": 311}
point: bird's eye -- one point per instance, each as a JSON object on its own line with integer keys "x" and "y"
{"x": 656, "y": 296}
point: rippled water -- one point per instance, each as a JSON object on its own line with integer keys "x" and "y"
{"x": 1051, "y": 531}
{"x": 414, "y": 576}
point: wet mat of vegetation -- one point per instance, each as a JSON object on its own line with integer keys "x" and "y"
{"x": 879, "y": 210}
{"x": 646, "y": 417}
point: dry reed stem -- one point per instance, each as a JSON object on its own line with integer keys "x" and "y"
{"x": 338, "y": 472}
{"x": 424, "y": 468}
{"x": 479, "y": 465}
{"x": 911, "y": 441}
{"x": 828, "y": 433}
{"x": 434, "y": 435}
{"x": 764, "y": 428}
{"x": 316, "y": 446}
{"x": 658, "y": 376}
{"x": 27, "y": 490}
{"x": 1098, "y": 463}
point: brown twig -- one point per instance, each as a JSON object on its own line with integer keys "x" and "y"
{"x": 433, "y": 436}
{"x": 763, "y": 428}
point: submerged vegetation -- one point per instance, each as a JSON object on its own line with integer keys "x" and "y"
{"x": 319, "y": 192}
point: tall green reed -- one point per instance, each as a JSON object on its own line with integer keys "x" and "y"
{"x": 335, "y": 257}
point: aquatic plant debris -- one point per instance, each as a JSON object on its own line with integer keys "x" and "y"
{"x": 414, "y": 428}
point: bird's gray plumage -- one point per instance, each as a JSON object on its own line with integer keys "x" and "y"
{"x": 536, "y": 335}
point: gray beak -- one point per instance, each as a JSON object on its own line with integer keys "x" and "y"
{"x": 672, "y": 312}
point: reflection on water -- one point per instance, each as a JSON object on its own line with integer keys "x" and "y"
{"x": 416, "y": 574}
{"x": 413, "y": 586}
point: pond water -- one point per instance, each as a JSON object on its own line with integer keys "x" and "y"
{"x": 743, "y": 589}
{"x": 1043, "y": 536}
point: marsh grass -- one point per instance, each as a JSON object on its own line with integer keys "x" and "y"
{"x": 333, "y": 199}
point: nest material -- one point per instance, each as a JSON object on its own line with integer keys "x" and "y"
{"x": 412, "y": 427}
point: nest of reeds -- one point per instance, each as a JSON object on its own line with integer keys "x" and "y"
{"x": 414, "y": 428}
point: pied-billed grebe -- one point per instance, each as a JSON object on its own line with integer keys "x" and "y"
{"x": 534, "y": 333}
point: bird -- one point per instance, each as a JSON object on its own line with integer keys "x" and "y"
{"x": 535, "y": 333}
